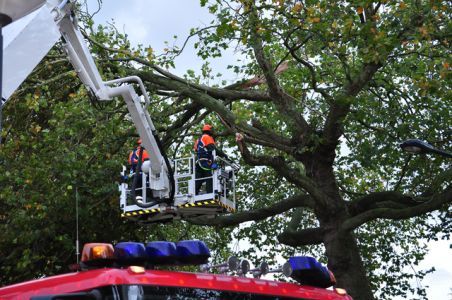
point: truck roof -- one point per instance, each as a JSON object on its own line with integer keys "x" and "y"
{"x": 91, "y": 279}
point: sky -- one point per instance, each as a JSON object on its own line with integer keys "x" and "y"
{"x": 152, "y": 22}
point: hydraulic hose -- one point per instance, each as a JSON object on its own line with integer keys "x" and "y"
{"x": 138, "y": 176}
{"x": 154, "y": 201}
{"x": 169, "y": 167}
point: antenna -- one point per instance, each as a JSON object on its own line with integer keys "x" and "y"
{"x": 77, "y": 247}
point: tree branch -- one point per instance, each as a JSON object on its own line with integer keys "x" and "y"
{"x": 341, "y": 107}
{"x": 214, "y": 92}
{"x": 308, "y": 65}
{"x": 409, "y": 207}
{"x": 256, "y": 214}
{"x": 309, "y": 236}
{"x": 282, "y": 168}
{"x": 213, "y": 104}
{"x": 281, "y": 99}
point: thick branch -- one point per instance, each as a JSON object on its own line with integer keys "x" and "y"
{"x": 214, "y": 92}
{"x": 256, "y": 214}
{"x": 256, "y": 42}
{"x": 309, "y": 236}
{"x": 284, "y": 101}
{"x": 215, "y": 105}
{"x": 408, "y": 209}
{"x": 278, "y": 164}
{"x": 375, "y": 200}
{"x": 340, "y": 109}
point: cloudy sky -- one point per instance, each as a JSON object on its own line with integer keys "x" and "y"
{"x": 152, "y": 22}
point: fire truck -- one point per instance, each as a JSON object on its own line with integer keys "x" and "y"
{"x": 131, "y": 270}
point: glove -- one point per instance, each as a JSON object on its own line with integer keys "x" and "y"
{"x": 214, "y": 166}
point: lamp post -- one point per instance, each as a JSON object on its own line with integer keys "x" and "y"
{"x": 415, "y": 146}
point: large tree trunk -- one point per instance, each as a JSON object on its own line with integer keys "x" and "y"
{"x": 342, "y": 250}
{"x": 345, "y": 261}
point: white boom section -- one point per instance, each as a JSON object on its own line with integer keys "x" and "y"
{"x": 79, "y": 54}
{"x": 26, "y": 43}
{"x": 15, "y": 10}
{"x": 58, "y": 14}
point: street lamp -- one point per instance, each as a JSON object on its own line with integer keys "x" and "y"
{"x": 415, "y": 146}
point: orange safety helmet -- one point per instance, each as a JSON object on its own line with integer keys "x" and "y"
{"x": 207, "y": 127}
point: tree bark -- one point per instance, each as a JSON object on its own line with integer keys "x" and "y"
{"x": 344, "y": 260}
{"x": 344, "y": 257}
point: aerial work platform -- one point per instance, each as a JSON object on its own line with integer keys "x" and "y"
{"x": 192, "y": 196}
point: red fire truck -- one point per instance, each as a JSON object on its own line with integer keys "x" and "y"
{"x": 135, "y": 271}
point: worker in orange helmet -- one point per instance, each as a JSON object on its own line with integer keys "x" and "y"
{"x": 135, "y": 154}
{"x": 134, "y": 157}
{"x": 204, "y": 147}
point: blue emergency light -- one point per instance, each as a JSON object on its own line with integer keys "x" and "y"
{"x": 308, "y": 271}
{"x": 192, "y": 252}
{"x": 130, "y": 253}
{"x": 161, "y": 253}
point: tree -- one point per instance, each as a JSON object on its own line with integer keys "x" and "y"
{"x": 361, "y": 77}
{"x": 321, "y": 136}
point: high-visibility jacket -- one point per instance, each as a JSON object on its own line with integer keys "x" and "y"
{"x": 203, "y": 149}
{"x": 135, "y": 155}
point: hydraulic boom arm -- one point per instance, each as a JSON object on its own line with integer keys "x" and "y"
{"x": 52, "y": 19}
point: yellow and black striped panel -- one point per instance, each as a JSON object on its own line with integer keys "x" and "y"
{"x": 137, "y": 213}
{"x": 206, "y": 203}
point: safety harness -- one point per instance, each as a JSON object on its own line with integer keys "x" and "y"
{"x": 204, "y": 156}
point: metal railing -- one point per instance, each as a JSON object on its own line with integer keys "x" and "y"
{"x": 189, "y": 189}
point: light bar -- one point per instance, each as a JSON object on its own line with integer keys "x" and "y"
{"x": 308, "y": 271}
{"x": 95, "y": 254}
{"x": 161, "y": 253}
{"x": 192, "y": 252}
{"x": 130, "y": 253}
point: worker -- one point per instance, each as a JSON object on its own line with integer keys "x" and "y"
{"x": 134, "y": 157}
{"x": 135, "y": 154}
{"x": 205, "y": 162}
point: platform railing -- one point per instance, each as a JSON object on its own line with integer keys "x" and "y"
{"x": 222, "y": 178}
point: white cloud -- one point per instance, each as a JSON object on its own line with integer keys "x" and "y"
{"x": 440, "y": 281}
